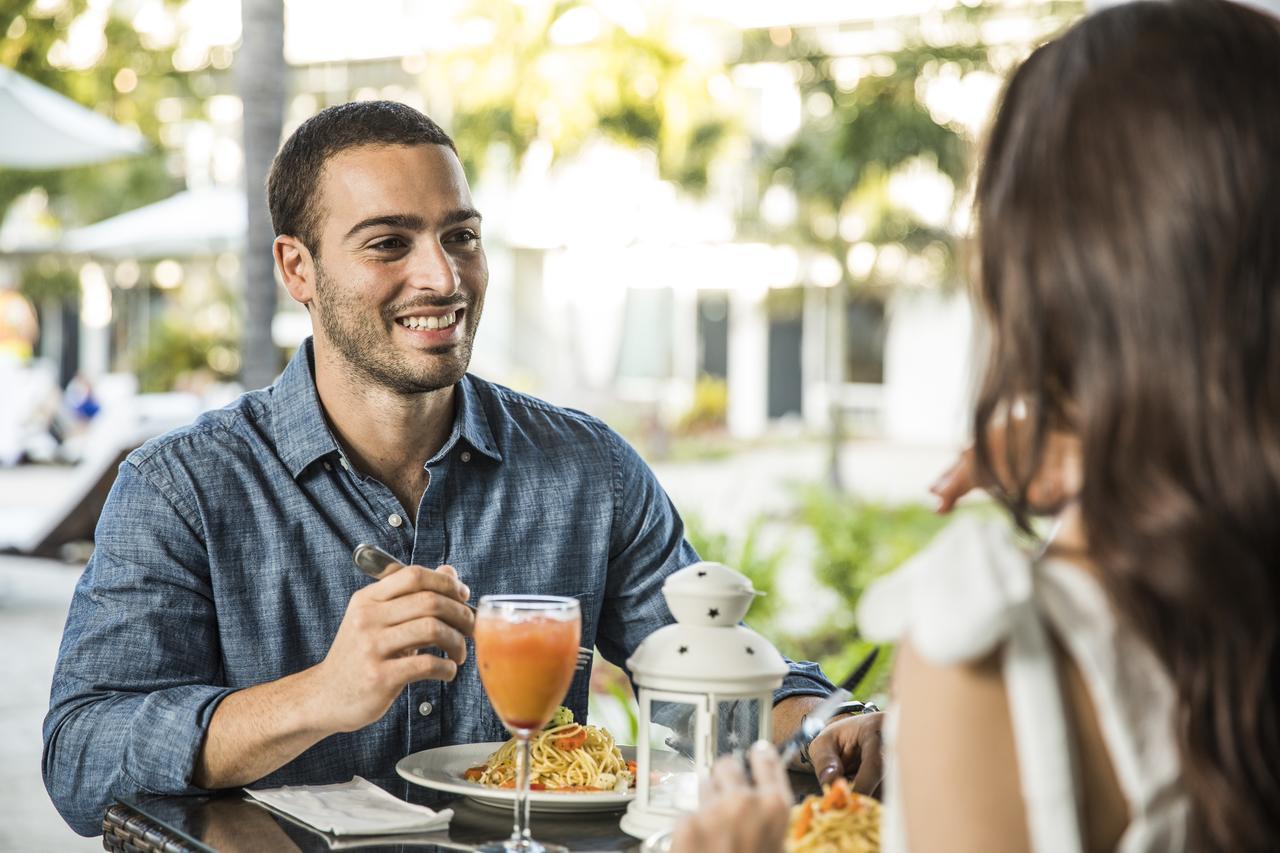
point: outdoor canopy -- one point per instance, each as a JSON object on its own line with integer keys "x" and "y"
{"x": 40, "y": 129}
{"x": 193, "y": 222}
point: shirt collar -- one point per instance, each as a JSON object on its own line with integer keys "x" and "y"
{"x": 302, "y": 435}
{"x": 471, "y": 422}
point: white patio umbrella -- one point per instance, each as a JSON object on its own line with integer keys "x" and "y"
{"x": 40, "y": 129}
{"x": 193, "y": 222}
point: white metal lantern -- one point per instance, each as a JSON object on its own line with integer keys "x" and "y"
{"x": 709, "y": 679}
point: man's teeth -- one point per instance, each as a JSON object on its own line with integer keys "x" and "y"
{"x": 433, "y": 322}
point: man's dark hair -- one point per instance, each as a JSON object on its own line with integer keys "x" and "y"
{"x": 293, "y": 184}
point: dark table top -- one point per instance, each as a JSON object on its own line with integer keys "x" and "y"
{"x": 233, "y": 822}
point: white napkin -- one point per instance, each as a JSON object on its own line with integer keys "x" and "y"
{"x": 358, "y": 807}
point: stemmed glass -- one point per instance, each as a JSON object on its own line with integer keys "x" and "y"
{"x": 527, "y": 650}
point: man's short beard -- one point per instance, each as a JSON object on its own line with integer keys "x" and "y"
{"x": 367, "y": 353}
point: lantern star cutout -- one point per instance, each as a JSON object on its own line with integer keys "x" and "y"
{"x": 702, "y": 574}
{"x": 713, "y": 613}
{"x": 750, "y": 650}
{"x": 683, "y": 650}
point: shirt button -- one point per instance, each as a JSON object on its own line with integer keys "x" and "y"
{"x": 345, "y": 466}
{"x": 466, "y": 456}
{"x": 395, "y": 520}
{"x": 328, "y": 467}
{"x": 425, "y": 709}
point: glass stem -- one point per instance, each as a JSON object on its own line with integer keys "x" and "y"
{"x": 521, "y": 837}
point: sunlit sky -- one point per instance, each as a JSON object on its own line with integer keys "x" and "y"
{"x": 334, "y": 30}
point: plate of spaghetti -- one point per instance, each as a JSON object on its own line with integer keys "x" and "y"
{"x": 575, "y": 768}
{"x": 839, "y": 821}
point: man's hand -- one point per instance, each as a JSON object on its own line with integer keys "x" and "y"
{"x": 851, "y": 746}
{"x": 374, "y": 654}
{"x": 257, "y": 730}
{"x": 735, "y": 815}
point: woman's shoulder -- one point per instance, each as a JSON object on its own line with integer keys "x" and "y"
{"x": 956, "y": 598}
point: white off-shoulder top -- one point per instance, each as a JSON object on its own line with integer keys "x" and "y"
{"x": 973, "y": 590}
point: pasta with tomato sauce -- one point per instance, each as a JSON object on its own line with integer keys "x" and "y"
{"x": 569, "y": 757}
{"x": 839, "y": 821}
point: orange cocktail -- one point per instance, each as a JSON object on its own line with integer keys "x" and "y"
{"x": 526, "y": 662}
{"x": 526, "y": 649}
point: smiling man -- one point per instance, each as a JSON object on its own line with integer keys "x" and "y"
{"x": 220, "y": 635}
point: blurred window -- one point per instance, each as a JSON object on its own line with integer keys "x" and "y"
{"x": 713, "y": 334}
{"x": 647, "y": 334}
{"x": 864, "y": 339}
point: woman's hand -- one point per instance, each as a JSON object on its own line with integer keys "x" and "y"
{"x": 736, "y": 815}
{"x": 1054, "y": 484}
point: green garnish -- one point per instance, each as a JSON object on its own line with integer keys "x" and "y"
{"x": 562, "y": 717}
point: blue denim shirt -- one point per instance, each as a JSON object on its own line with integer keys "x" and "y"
{"x": 223, "y": 560}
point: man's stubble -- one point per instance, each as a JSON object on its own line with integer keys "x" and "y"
{"x": 366, "y": 349}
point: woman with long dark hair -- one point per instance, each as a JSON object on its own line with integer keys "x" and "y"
{"x": 1119, "y": 687}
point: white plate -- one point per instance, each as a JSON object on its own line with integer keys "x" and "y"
{"x": 442, "y": 768}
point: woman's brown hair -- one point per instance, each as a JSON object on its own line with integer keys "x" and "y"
{"x": 1129, "y": 249}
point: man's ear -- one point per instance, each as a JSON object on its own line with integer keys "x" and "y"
{"x": 297, "y": 268}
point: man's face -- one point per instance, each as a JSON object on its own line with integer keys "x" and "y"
{"x": 400, "y": 271}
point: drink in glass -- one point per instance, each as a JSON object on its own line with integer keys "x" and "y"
{"x": 527, "y": 650}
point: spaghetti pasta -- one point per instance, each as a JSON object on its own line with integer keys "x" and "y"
{"x": 840, "y": 821}
{"x": 566, "y": 757}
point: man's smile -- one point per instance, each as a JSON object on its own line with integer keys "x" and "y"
{"x": 429, "y": 321}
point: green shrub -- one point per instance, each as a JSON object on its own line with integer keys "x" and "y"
{"x": 748, "y": 556}
{"x": 710, "y": 409}
{"x": 173, "y": 352}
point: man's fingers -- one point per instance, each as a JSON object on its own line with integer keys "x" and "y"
{"x": 824, "y": 754}
{"x": 411, "y": 668}
{"x": 420, "y": 633}
{"x": 871, "y": 769}
{"x": 449, "y": 570}
{"x": 414, "y": 579}
{"x": 416, "y": 605}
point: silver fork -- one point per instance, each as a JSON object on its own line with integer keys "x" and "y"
{"x": 377, "y": 564}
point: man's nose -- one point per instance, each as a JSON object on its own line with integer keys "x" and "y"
{"x": 432, "y": 269}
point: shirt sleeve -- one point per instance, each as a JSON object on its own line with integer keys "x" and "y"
{"x": 135, "y": 683}
{"x": 648, "y": 544}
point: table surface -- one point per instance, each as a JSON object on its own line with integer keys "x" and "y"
{"x": 233, "y": 822}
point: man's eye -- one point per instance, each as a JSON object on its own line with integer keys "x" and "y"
{"x": 388, "y": 244}
{"x": 466, "y": 235}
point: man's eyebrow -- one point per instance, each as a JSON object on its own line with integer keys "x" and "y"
{"x": 462, "y": 214}
{"x": 406, "y": 221}
{"x": 411, "y": 221}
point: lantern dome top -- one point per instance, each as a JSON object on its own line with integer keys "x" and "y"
{"x": 707, "y": 650}
{"x": 708, "y": 594}
{"x": 704, "y": 659}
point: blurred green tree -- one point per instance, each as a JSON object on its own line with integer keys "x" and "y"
{"x": 866, "y": 119}
{"x": 565, "y": 72}
{"x": 126, "y": 80}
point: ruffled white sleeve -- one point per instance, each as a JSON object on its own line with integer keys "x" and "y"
{"x": 969, "y": 593}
